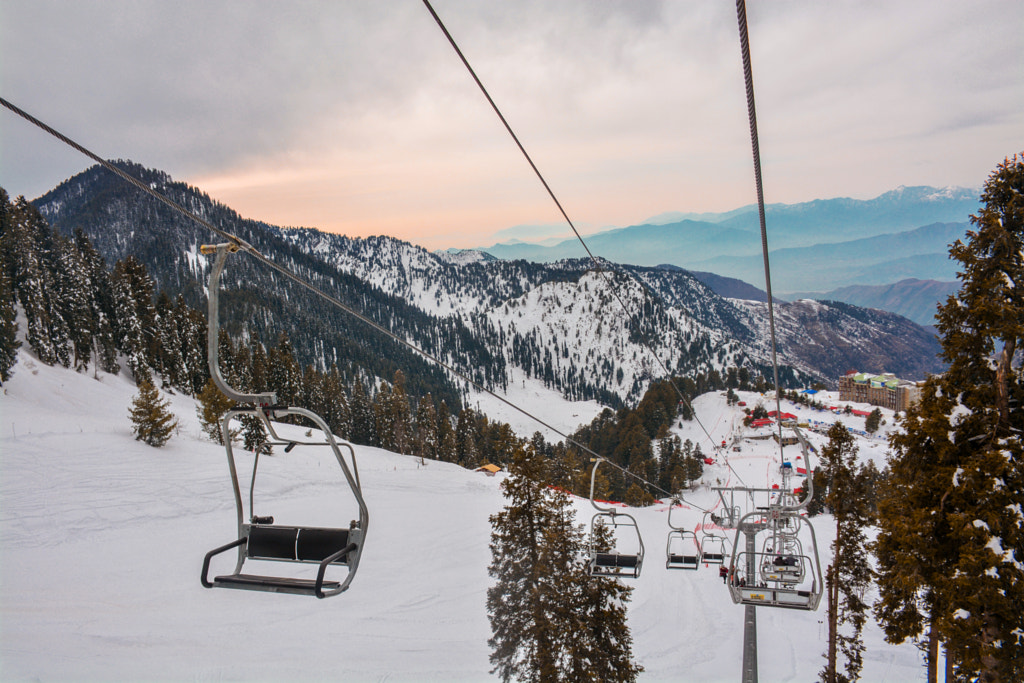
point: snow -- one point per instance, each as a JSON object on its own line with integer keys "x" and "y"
{"x": 103, "y": 539}
{"x": 565, "y": 416}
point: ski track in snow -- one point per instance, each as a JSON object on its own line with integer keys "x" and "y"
{"x": 102, "y": 540}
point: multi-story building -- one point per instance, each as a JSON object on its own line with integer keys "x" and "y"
{"x": 884, "y": 390}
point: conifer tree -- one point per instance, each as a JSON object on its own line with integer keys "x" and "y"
{"x": 426, "y": 443}
{"x": 873, "y": 421}
{"x": 212, "y": 406}
{"x": 550, "y": 621}
{"x": 192, "y": 331}
{"x": 152, "y": 421}
{"x": 466, "y": 452}
{"x": 9, "y": 343}
{"x": 101, "y": 303}
{"x": 849, "y": 574}
{"x": 364, "y": 428}
{"x": 134, "y": 315}
{"x": 915, "y": 547}
{"x": 73, "y": 287}
{"x": 31, "y": 282}
{"x": 254, "y": 435}
{"x": 445, "y": 434}
{"x": 982, "y": 329}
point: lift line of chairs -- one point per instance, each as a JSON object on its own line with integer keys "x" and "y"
{"x": 768, "y": 565}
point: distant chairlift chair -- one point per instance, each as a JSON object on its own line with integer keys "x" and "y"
{"x": 682, "y": 550}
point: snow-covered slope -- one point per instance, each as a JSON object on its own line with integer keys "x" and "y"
{"x": 103, "y": 538}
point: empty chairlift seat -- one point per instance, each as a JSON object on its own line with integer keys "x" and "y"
{"x": 314, "y": 545}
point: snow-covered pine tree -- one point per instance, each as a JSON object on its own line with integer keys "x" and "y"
{"x": 364, "y": 428}
{"x": 445, "y": 434}
{"x": 338, "y": 413}
{"x": 73, "y": 288}
{"x": 549, "y": 620}
{"x": 982, "y": 332}
{"x": 466, "y": 452}
{"x": 134, "y": 315}
{"x": 283, "y": 372}
{"x": 9, "y": 343}
{"x": 30, "y": 280}
{"x": 425, "y": 442}
{"x": 849, "y": 575}
{"x": 101, "y": 303}
{"x": 192, "y": 332}
{"x": 152, "y": 421}
{"x": 915, "y": 549}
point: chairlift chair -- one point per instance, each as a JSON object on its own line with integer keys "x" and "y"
{"x": 682, "y": 549}
{"x": 610, "y": 561}
{"x": 783, "y": 560}
{"x": 786, "y": 585}
{"x": 713, "y": 546}
{"x": 258, "y": 538}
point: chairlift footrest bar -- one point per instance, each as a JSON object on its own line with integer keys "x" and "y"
{"x": 273, "y": 584}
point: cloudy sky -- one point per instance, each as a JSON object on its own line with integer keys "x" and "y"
{"x": 358, "y": 118}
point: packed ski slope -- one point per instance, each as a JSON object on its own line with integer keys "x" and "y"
{"x": 102, "y": 540}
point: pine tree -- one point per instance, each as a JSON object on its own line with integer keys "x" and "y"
{"x": 254, "y": 435}
{"x": 849, "y": 575}
{"x": 171, "y": 362}
{"x": 915, "y": 548}
{"x": 192, "y": 332}
{"x": 873, "y": 421}
{"x": 549, "y": 620}
{"x": 364, "y": 428}
{"x": 152, "y": 421}
{"x": 426, "y": 439}
{"x": 212, "y": 406}
{"x": 982, "y": 330}
{"x": 101, "y": 303}
{"x": 445, "y": 434}
{"x": 134, "y": 315}
{"x": 73, "y": 287}
{"x": 30, "y": 280}
{"x": 9, "y": 343}
{"x": 466, "y": 452}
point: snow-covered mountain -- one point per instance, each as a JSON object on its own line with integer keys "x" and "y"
{"x": 587, "y": 332}
{"x": 103, "y": 541}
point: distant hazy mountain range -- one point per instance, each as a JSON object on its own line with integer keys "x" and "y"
{"x": 890, "y": 252}
{"x": 913, "y": 299}
{"x": 815, "y": 246}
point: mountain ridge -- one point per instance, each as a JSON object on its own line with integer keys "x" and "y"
{"x": 557, "y": 322}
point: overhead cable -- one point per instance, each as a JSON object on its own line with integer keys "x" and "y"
{"x": 597, "y": 264}
{"x": 252, "y": 251}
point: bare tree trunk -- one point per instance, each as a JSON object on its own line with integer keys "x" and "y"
{"x": 1003, "y": 372}
{"x": 933, "y": 653}
{"x": 833, "y": 622}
